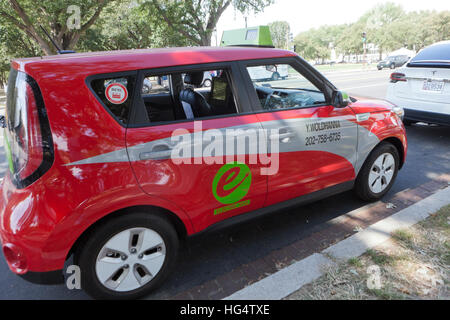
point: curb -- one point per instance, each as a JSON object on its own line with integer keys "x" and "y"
{"x": 288, "y": 280}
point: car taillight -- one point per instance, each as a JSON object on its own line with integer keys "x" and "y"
{"x": 28, "y": 141}
{"x": 397, "y": 76}
{"x": 33, "y": 139}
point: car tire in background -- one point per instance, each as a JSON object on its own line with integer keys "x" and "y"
{"x": 408, "y": 122}
{"x": 207, "y": 83}
{"x": 276, "y": 76}
{"x": 378, "y": 172}
{"x": 392, "y": 66}
{"x": 128, "y": 256}
{"x": 145, "y": 89}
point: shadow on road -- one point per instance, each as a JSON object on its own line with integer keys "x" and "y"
{"x": 208, "y": 256}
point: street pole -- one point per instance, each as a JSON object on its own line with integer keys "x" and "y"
{"x": 364, "y": 41}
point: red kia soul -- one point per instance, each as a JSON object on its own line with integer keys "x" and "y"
{"x": 117, "y": 176}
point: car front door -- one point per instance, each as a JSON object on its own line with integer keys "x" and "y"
{"x": 179, "y": 147}
{"x": 316, "y": 141}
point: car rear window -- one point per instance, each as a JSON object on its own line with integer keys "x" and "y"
{"x": 435, "y": 55}
{"x": 116, "y": 95}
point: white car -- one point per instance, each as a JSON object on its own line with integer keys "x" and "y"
{"x": 422, "y": 86}
{"x": 269, "y": 73}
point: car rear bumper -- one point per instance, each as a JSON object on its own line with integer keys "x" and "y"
{"x": 427, "y": 116}
{"x": 25, "y": 229}
{"x": 421, "y": 110}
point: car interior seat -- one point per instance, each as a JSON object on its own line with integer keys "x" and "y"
{"x": 194, "y": 104}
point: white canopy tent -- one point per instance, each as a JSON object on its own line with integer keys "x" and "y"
{"x": 403, "y": 51}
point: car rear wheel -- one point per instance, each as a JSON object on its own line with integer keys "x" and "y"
{"x": 392, "y": 66}
{"x": 127, "y": 257}
{"x": 276, "y": 76}
{"x": 378, "y": 172}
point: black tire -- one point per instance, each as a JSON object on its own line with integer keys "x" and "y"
{"x": 145, "y": 89}
{"x": 86, "y": 255}
{"x": 392, "y": 66}
{"x": 408, "y": 122}
{"x": 379, "y": 68}
{"x": 362, "y": 188}
{"x": 276, "y": 76}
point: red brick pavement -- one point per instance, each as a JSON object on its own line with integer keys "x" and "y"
{"x": 339, "y": 229}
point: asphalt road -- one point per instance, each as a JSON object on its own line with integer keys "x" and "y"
{"x": 364, "y": 83}
{"x": 207, "y": 256}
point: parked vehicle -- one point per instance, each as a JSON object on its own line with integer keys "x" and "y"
{"x": 422, "y": 87}
{"x": 393, "y": 62}
{"x": 117, "y": 178}
{"x": 273, "y": 73}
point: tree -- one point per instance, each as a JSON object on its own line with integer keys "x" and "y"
{"x": 130, "y": 25}
{"x": 53, "y": 15}
{"x": 197, "y": 19}
{"x": 13, "y": 43}
{"x": 280, "y": 31}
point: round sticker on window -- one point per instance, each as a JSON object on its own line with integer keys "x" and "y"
{"x": 116, "y": 93}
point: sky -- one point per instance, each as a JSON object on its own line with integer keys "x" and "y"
{"x": 306, "y": 14}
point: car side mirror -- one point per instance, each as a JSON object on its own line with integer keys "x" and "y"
{"x": 341, "y": 99}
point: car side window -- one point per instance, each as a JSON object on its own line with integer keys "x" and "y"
{"x": 116, "y": 95}
{"x": 282, "y": 87}
{"x": 188, "y": 95}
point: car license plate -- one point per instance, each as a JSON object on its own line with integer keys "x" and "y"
{"x": 433, "y": 86}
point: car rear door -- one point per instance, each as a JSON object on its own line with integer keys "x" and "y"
{"x": 316, "y": 141}
{"x": 174, "y": 158}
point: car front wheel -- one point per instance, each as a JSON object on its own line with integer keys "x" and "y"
{"x": 127, "y": 257}
{"x": 378, "y": 172}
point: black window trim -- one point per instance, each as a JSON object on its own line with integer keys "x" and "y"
{"x": 242, "y": 100}
{"x": 301, "y": 66}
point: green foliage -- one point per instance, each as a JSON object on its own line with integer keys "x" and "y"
{"x": 129, "y": 25}
{"x": 196, "y": 20}
{"x": 29, "y": 15}
{"x": 280, "y": 34}
{"x": 387, "y": 25}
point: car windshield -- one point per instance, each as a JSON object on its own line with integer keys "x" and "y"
{"x": 282, "y": 87}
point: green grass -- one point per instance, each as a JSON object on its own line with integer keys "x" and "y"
{"x": 439, "y": 219}
{"x": 386, "y": 294}
{"x": 380, "y": 258}
{"x": 403, "y": 236}
{"x": 355, "y": 262}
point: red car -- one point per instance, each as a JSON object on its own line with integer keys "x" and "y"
{"x": 118, "y": 178}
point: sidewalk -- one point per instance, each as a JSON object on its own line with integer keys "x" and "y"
{"x": 413, "y": 264}
{"x": 2, "y": 101}
{"x": 292, "y": 278}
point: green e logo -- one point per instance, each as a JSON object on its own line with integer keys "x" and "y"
{"x": 232, "y": 183}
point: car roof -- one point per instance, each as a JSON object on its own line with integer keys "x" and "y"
{"x": 123, "y": 60}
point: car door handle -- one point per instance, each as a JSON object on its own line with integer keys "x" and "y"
{"x": 159, "y": 152}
